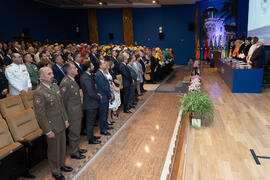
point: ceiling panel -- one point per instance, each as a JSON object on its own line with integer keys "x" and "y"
{"x": 113, "y": 3}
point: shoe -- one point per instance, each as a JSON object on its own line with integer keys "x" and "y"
{"x": 96, "y": 137}
{"x": 83, "y": 133}
{"x": 109, "y": 128}
{"x": 58, "y": 176}
{"x": 110, "y": 123}
{"x": 128, "y": 111}
{"x": 94, "y": 142}
{"x": 105, "y": 133}
{"x": 134, "y": 104}
{"x": 131, "y": 106}
{"x": 66, "y": 168}
{"x": 96, "y": 125}
{"x": 144, "y": 90}
{"x": 82, "y": 151}
{"x": 79, "y": 156}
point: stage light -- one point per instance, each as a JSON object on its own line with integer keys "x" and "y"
{"x": 100, "y": 3}
{"x": 154, "y": 2}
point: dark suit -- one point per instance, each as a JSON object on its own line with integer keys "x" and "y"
{"x": 7, "y": 60}
{"x": 153, "y": 66}
{"x": 3, "y": 83}
{"x": 132, "y": 95}
{"x": 58, "y": 74}
{"x": 258, "y": 57}
{"x": 90, "y": 102}
{"x": 80, "y": 72}
{"x": 143, "y": 69}
{"x": 94, "y": 60}
{"x": 103, "y": 88}
{"x": 126, "y": 80}
{"x": 116, "y": 66}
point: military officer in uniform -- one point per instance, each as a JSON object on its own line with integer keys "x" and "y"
{"x": 18, "y": 76}
{"x": 51, "y": 115}
{"x": 72, "y": 100}
{"x": 32, "y": 70}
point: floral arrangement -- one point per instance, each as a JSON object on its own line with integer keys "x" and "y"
{"x": 195, "y": 83}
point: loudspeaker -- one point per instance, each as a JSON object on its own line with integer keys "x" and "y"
{"x": 191, "y": 26}
{"x": 111, "y": 36}
{"x": 161, "y": 35}
{"x": 26, "y": 31}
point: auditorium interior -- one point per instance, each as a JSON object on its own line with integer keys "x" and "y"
{"x": 135, "y": 89}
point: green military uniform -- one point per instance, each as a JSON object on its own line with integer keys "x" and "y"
{"x": 51, "y": 115}
{"x": 34, "y": 76}
{"x": 71, "y": 96}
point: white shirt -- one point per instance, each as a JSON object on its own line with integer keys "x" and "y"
{"x": 18, "y": 78}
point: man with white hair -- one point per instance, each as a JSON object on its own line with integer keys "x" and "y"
{"x": 254, "y": 40}
{"x": 258, "y": 56}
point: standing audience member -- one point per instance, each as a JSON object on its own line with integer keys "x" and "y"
{"x": 3, "y": 85}
{"x": 72, "y": 101}
{"x": 91, "y": 100}
{"x": 57, "y": 68}
{"x": 103, "y": 88}
{"x": 116, "y": 102}
{"x": 53, "y": 120}
{"x": 132, "y": 96}
{"x": 94, "y": 58}
{"x": 17, "y": 76}
{"x": 32, "y": 70}
{"x": 126, "y": 80}
{"x": 77, "y": 60}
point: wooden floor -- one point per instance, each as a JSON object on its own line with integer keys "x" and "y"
{"x": 222, "y": 150}
{"x": 139, "y": 151}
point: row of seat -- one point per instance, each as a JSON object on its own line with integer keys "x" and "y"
{"x": 22, "y": 144}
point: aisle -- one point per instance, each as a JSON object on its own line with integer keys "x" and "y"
{"x": 222, "y": 151}
{"x": 139, "y": 150}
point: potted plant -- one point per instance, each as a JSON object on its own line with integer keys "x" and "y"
{"x": 200, "y": 107}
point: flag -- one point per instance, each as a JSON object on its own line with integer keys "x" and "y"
{"x": 211, "y": 48}
{"x": 215, "y": 43}
{"x": 227, "y": 49}
{"x": 205, "y": 54}
{"x": 198, "y": 51}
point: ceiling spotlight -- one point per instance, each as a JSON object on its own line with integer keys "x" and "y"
{"x": 100, "y": 3}
{"x": 154, "y": 2}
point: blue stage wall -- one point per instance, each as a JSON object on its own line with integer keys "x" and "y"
{"x": 44, "y": 22}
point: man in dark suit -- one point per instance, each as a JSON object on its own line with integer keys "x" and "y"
{"x": 57, "y": 68}
{"x": 126, "y": 80}
{"x": 103, "y": 88}
{"x": 94, "y": 58}
{"x": 77, "y": 60}
{"x": 7, "y": 58}
{"x": 153, "y": 67}
{"x": 115, "y": 61}
{"x": 91, "y": 101}
{"x": 3, "y": 85}
{"x": 143, "y": 69}
{"x": 258, "y": 57}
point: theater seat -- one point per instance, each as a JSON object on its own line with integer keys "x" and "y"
{"x": 11, "y": 105}
{"x": 12, "y": 155}
{"x": 27, "y": 99}
{"x": 25, "y": 129}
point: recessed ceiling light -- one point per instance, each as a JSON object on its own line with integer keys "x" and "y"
{"x": 154, "y": 2}
{"x": 100, "y": 3}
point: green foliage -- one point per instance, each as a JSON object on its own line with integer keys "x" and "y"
{"x": 198, "y": 104}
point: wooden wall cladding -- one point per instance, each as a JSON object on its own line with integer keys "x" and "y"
{"x": 128, "y": 26}
{"x": 93, "y": 26}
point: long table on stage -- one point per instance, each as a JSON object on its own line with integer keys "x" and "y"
{"x": 241, "y": 80}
